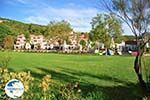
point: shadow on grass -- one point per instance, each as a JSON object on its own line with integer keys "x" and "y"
{"x": 100, "y": 77}
{"x": 63, "y": 77}
{"x": 126, "y": 91}
{"x": 130, "y": 92}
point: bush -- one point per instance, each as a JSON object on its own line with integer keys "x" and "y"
{"x": 146, "y": 67}
{"x": 5, "y": 76}
{"x": 45, "y": 89}
{"x": 4, "y": 59}
{"x": 98, "y": 95}
{"x": 8, "y": 42}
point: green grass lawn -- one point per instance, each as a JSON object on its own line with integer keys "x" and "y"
{"x": 114, "y": 76}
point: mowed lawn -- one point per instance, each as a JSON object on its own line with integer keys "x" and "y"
{"x": 113, "y": 76}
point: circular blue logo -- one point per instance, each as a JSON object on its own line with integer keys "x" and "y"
{"x": 14, "y": 88}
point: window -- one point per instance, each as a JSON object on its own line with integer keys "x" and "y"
{"x": 38, "y": 37}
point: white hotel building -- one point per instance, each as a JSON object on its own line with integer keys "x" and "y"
{"x": 20, "y": 42}
{"x": 36, "y": 40}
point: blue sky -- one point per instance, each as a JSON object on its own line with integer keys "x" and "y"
{"x": 77, "y": 12}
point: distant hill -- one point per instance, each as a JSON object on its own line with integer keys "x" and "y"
{"x": 17, "y": 27}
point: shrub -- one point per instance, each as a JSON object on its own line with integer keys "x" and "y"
{"x": 46, "y": 88}
{"x": 146, "y": 67}
{"x": 5, "y": 76}
{"x": 98, "y": 95}
{"x": 45, "y": 83}
{"x": 8, "y": 42}
{"x": 4, "y": 60}
{"x": 70, "y": 91}
{"x": 83, "y": 43}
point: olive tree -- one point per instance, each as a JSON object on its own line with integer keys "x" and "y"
{"x": 136, "y": 14}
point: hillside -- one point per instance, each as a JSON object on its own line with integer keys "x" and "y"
{"x": 15, "y": 27}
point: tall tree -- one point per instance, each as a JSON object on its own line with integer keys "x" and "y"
{"x": 4, "y": 31}
{"x": 105, "y": 27}
{"x": 59, "y": 30}
{"x": 8, "y": 42}
{"x": 136, "y": 14}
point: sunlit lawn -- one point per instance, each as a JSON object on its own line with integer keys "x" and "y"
{"x": 112, "y": 75}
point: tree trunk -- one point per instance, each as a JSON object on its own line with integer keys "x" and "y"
{"x": 138, "y": 66}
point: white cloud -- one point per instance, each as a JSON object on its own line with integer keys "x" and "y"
{"x": 37, "y": 20}
{"x": 78, "y": 18}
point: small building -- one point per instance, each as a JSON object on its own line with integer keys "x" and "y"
{"x": 20, "y": 42}
{"x": 38, "y": 41}
{"x": 130, "y": 46}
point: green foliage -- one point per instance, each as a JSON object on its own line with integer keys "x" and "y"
{"x": 4, "y": 59}
{"x": 59, "y": 30}
{"x": 36, "y": 29}
{"x": 44, "y": 89}
{"x": 6, "y": 75}
{"x": 83, "y": 43}
{"x": 105, "y": 27}
{"x": 129, "y": 37}
{"x": 97, "y": 96}
{"x": 146, "y": 67}
{"x": 8, "y": 42}
{"x": 16, "y": 27}
{"x": 135, "y": 13}
{"x": 4, "y": 31}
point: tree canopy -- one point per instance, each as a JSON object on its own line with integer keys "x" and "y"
{"x": 105, "y": 27}
{"x": 59, "y": 30}
{"x": 4, "y": 31}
